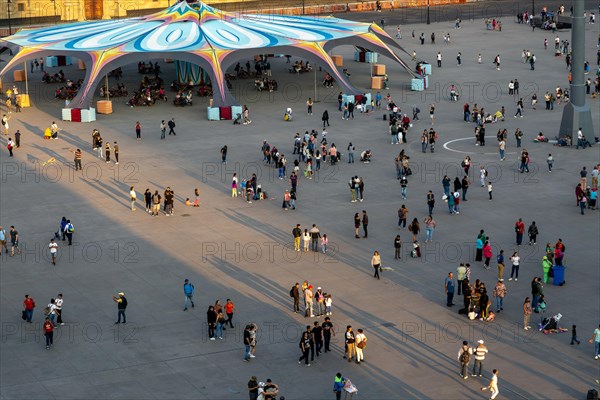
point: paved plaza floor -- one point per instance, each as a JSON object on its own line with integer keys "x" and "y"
{"x": 232, "y": 249}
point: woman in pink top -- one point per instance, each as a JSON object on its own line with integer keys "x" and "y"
{"x": 487, "y": 253}
{"x": 430, "y": 225}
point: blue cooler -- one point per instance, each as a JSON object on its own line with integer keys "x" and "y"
{"x": 213, "y": 114}
{"x": 347, "y": 98}
{"x": 371, "y": 57}
{"x": 235, "y": 110}
{"x": 426, "y": 68}
{"x": 417, "y": 84}
{"x": 559, "y": 275}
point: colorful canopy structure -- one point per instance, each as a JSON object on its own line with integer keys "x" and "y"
{"x": 202, "y": 35}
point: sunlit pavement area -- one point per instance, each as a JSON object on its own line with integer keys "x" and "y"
{"x": 231, "y": 249}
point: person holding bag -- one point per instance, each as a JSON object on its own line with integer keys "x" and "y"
{"x": 361, "y": 343}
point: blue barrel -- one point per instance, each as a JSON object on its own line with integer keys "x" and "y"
{"x": 559, "y": 275}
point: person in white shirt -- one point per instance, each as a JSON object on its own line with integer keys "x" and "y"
{"x": 53, "y": 246}
{"x": 59, "y": 303}
{"x": 54, "y": 129}
{"x": 482, "y": 175}
{"x": 361, "y": 343}
{"x": 132, "y": 197}
{"x": 493, "y": 386}
{"x": 52, "y": 311}
{"x": 306, "y": 239}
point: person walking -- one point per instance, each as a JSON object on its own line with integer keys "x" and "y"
{"x": 3, "y": 241}
{"x": 527, "y": 310}
{"x": 297, "y": 233}
{"x": 317, "y": 336}
{"x": 53, "y": 246}
{"x": 121, "y": 301}
{"x": 211, "y": 320}
{"x": 574, "y": 335}
{"x": 10, "y": 146}
{"x": 493, "y": 385}
{"x": 595, "y": 339}
{"x": 315, "y": 234}
{"x": 58, "y": 303}
{"x": 414, "y": 228}
{"x": 305, "y": 349}
{"x": 499, "y": 293}
{"x": 449, "y": 289}
{"x": 77, "y": 159}
{"x": 376, "y": 263}
{"x": 438, "y": 57}
{"x": 532, "y": 232}
{"x": 361, "y": 343}
{"x": 514, "y": 271}
{"x": 328, "y": 331}
{"x": 14, "y": 241}
{"x": 397, "y": 247}
{"x": 28, "y": 306}
{"x": 224, "y": 154}
{"x": 403, "y": 186}
{"x": 68, "y": 232}
{"x": 138, "y": 131}
{"x": 480, "y": 351}
{"x": 338, "y": 385}
{"x": 188, "y": 292}
{"x": 229, "y": 309}
{"x": 48, "y": 332}
{"x": 464, "y": 356}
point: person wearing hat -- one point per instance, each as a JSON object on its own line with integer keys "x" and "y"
{"x": 499, "y": 292}
{"x": 480, "y": 351}
{"x": 121, "y": 306}
{"x": 188, "y": 291}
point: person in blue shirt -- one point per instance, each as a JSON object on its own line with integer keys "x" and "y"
{"x": 338, "y": 385}
{"x": 449, "y": 288}
{"x": 188, "y": 290}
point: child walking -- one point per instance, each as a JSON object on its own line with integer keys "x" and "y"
{"x": 234, "y": 182}
{"x": 489, "y": 189}
{"x": 324, "y": 243}
{"x": 328, "y": 302}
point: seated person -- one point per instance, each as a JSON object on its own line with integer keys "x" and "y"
{"x": 365, "y": 156}
{"x": 288, "y": 114}
{"x": 345, "y": 72}
{"x": 540, "y": 138}
{"x": 187, "y": 202}
{"x": 307, "y": 66}
{"x": 489, "y": 118}
{"x": 498, "y": 116}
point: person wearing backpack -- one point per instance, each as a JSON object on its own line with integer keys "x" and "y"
{"x": 464, "y": 356}
{"x": 295, "y": 294}
{"x": 68, "y": 231}
{"x": 121, "y": 306}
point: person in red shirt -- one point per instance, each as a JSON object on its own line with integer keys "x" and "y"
{"x": 519, "y": 229}
{"x": 229, "y": 308}
{"x": 48, "y": 332}
{"x": 28, "y": 306}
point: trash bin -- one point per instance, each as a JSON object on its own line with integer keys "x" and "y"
{"x": 559, "y": 275}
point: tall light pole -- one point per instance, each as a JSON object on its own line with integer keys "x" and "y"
{"x": 9, "y": 21}
{"x": 577, "y": 113}
{"x": 428, "y": 20}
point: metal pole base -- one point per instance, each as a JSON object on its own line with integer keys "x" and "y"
{"x": 575, "y": 117}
